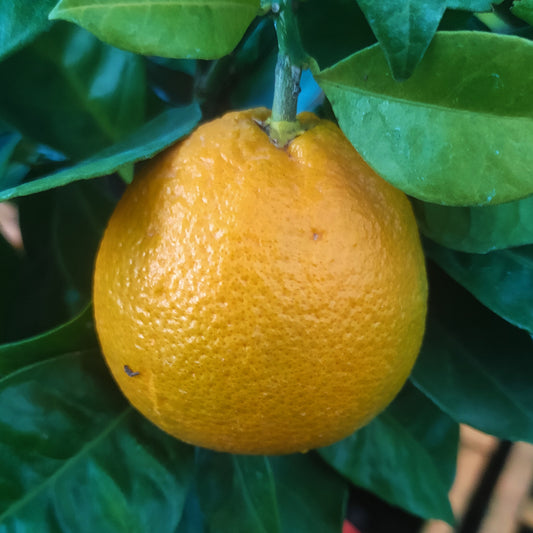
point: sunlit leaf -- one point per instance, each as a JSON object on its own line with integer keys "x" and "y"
{"x": 170, "y": 28}
{"x": 405, "y": 28}
{"x": 457, "y": 132}
{"x": 141, "y": 144}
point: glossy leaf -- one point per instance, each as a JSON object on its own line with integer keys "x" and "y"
{"x": 413, "y": 437}
{"x": 21, "y": 21}
{"x": 475, "y": 366}
{"x": 76, "y": 457}
{"x": 75, "y": 335}
{"x": 457, "y": 132}
{"x": 477, "y": 229}
{"x": 167, "y": 28}
{"x": 524, "y": 10}
{"x": 71, "y": 92}
{"x": 269, "y": 494}
{"x": 142, "y": 144}
{"x": 404, "y": 29}
{"x": 502, "y": 280}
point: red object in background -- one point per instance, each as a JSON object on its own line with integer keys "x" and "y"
{"x": 347, "y": 527}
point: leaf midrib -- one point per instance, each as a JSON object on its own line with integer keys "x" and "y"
{"x": 248, "y": 499}
{"x": 425, "y": 105}
{"x": 67, "y": 464}
{"x": 148, "y": 5}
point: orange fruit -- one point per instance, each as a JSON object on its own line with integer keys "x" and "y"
{"x": 252, "y": 299}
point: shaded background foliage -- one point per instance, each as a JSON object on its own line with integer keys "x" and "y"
{"x": 77, "y": 113}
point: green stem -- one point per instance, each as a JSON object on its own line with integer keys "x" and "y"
{"x": 284, "y": 126}
{"x": 286, "y": 90}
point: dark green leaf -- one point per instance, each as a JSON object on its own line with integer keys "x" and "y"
{"x": 76, "y": 457}
{"x": 269, "y": 494}
{"x": 40, "y": 302}
{"x": 413, "y": 437}
{"x": 345, "y": 32}
{"x": 75, "y": 335}
{"x": 8, "y": 143}
{"x": 311, "y": 496}
{"x": 524, "y": 10}
{"x": 456, "y": 20}
{"x": 502, "y": 280}
{"x": 10, "y": 264}
{"x": 167, "y": 28}
{"x": 142, "y": 144}
{"x": 474, "y": 365}
{"x": 71, "y": 92}
{"x": 83, "y": 210}
{"x": 237, "y": 493}
{"x": 477, "y": 229}
{"x": 192, "y": 519}
{"x": 457, "y": 132}
{"x": 21, "y": 21}
{"x": 404, "y": 29}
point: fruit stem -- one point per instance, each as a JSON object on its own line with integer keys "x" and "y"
{"x": 283, "y": 125}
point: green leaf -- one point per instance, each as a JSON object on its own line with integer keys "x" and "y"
{"x": 151, "y": 138}
{"x": 477, "y": 229}
{"x": 475, "y": 366}
{"x": 75, "y": 335}
{"x": 311, "y": 496}
{"x": 8, "y": 143}
{"x": 472, "y": 5}
{"x": 269, "y": 494}
{"x": 205, "y": 29}
{"x": 413, "y": 437}
{"x": 345, "y": 32}
{"x": 21, "y": 22}
{"x": 457, "y": 132}
{"x": 524, "y": 10}
{"x": 79, "y": 221}
{"x": 192, "y": 519}
{"x": 502, "y": 280}
{"x": 404, "y": 29}
{"x": 237, "y": 493}
{"x": 71, "y": 92}
{"x": 76, "y": 457}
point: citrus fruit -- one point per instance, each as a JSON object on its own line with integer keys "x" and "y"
{"x": 252, "y": 299}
